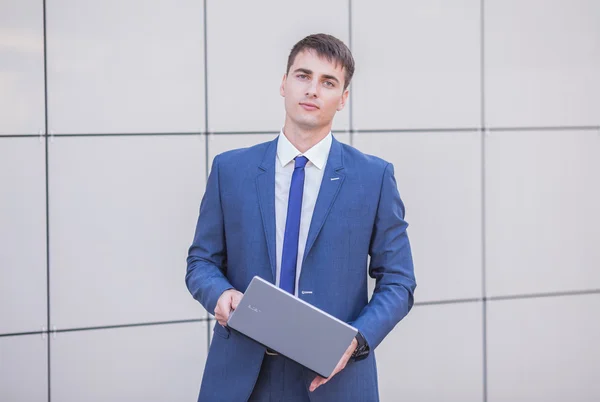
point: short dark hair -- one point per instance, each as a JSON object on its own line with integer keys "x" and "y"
{"x": 327, "y": 46}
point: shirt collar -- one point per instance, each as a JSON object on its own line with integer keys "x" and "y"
{"x": 317, "y": 155}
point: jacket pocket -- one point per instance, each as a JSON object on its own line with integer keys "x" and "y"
{"x": 221, "y": 330}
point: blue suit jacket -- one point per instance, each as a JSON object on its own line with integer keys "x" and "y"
{"x": 359, "y": 214}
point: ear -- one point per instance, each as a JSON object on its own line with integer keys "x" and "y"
{"x": 343, "y": 100}
{"x": 282, "y": 87}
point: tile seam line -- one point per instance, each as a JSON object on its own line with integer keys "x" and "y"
{"x": 527, "y": 296}
{"x": 350, "y": 131}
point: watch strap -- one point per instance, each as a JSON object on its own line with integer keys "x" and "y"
{"x": 362, "y": 349}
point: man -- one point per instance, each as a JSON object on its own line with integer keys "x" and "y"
{"x": 304, "y": 212}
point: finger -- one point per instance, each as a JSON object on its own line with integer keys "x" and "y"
{"x": 218, "y": 310}
{"x": 221, "y": 316}
{"x": 315, "y": 383}
{"x": 225, "y": 307}
{"x": 318, "y": 381}
{"x": 337, "y": 369}
{"x": 218, "y": 317}
{"x": 235, "y": 302}
{"x": 237, "y": 298}
{"x": 222, "y": 320}
{"x": 323, "y": 381}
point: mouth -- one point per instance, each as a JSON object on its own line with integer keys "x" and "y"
{"x": 309, "y": 106}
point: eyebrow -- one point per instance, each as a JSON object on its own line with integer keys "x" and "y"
{"x": 309, "y": 72}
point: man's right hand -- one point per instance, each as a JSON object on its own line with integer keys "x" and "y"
{"x": 228, "y": 301}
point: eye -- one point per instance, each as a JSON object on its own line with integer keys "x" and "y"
{"x": 329, "y": 84}
{"x": 302, "y": 76}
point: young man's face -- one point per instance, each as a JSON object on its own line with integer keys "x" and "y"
{"x": 313, "y": 90}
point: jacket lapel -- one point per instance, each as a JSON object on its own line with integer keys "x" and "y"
{"x": 265, "y": 186}
{"x": 333, "y": 177}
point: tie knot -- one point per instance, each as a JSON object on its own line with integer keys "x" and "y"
{"x": 301, "y": 161}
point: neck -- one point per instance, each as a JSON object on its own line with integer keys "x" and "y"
{"x": 305, "y": 139}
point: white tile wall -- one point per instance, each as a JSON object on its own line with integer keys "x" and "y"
{"x": 418, "y": 64}
{"x": 218, "y": 144}
{"x": 434, "y": 354}
{"x": 439, "y": 180}
{"x": 22, "y": 235}
{"x": 21, "y": 67}
{"x": 128, "y": 66}
{"x": 544, "y": 349}
{"x": 24, "y": 368}
{"x": 123, "y": 212}
{"x": 123, "y": 209}
{"x": 248, "y": 46}
{"x": 542, "y": 217}
{"x": 542, "y": 61}
{"x": 161, "y": 363}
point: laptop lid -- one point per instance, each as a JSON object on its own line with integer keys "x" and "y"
{"x": 292, "y": 327}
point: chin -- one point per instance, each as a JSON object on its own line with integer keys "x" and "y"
{"x": 308, "y": 123}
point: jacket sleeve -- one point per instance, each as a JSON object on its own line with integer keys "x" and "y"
{"x": 391, "y": 266}
{"x": 207, "y": 257}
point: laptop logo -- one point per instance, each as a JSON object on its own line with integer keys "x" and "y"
{"x": 253, "y": 309}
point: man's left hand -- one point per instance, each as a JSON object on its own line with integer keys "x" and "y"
{"x": 318, "y": 381}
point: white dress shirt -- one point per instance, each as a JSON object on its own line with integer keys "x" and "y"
{"x": 284, "y": 167}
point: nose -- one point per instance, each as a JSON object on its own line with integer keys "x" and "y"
{"x": 311, "y": 90}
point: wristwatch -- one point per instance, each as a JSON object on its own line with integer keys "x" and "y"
{"x": 362, "y": 350}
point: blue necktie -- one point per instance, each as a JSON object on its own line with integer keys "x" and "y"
{"x": 287, "y": 279}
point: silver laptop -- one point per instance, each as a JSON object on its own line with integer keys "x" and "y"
{"x": 291, "y": 327}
